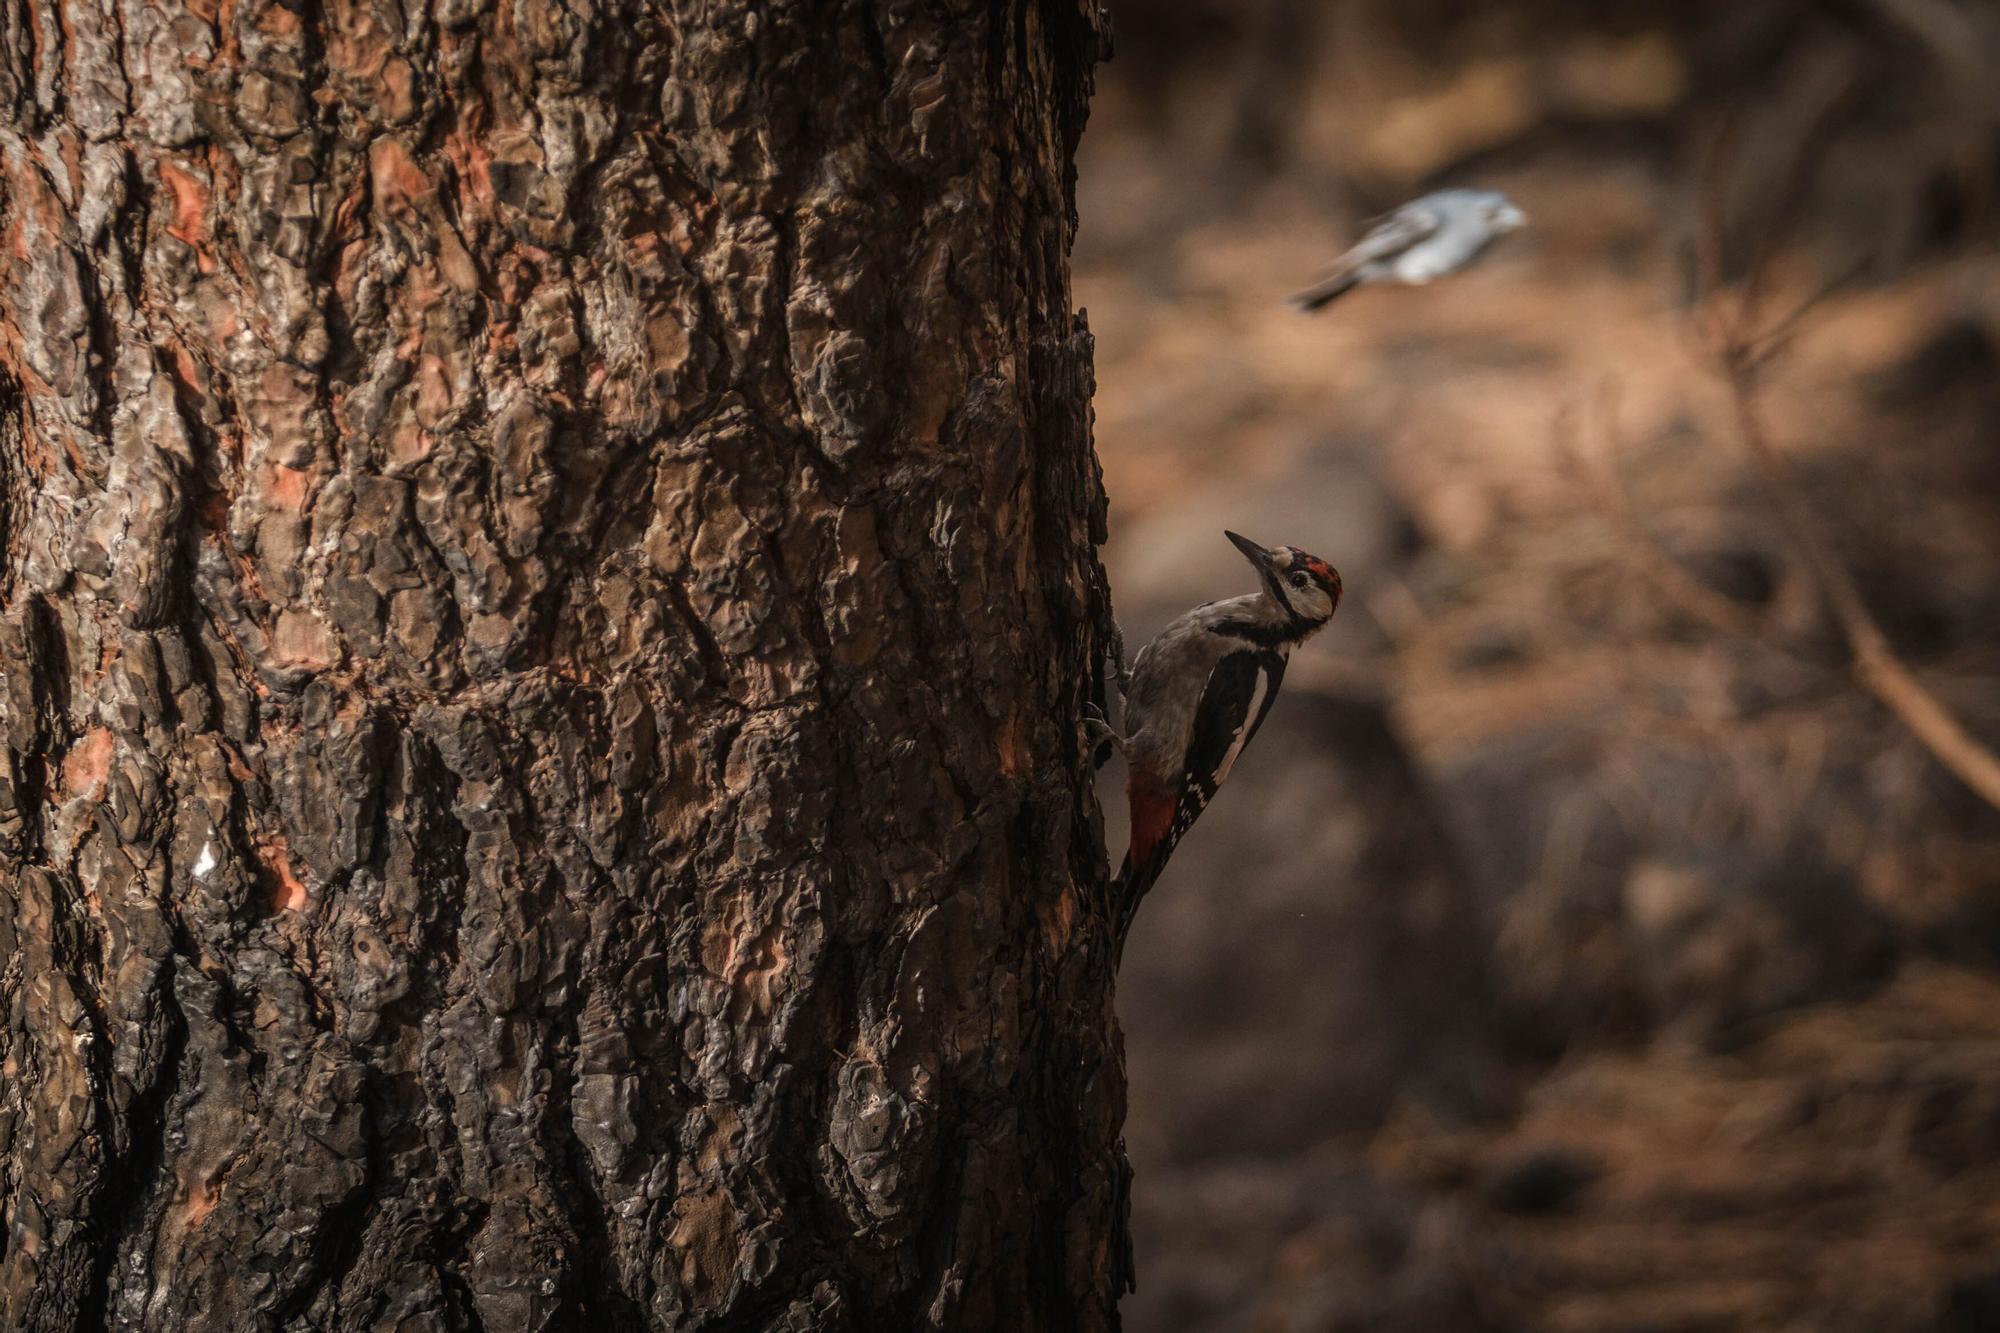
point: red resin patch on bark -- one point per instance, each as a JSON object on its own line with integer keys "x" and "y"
{"x": 286, "y": 486}
{"x": 471, "y": 163}
{"x": 88, "y": 763}
{"x": 277, "y": 21}
{"x": 394, "y": 175}
{"x": 302, "y": 639}
{"x": 190, "y": 224}
{"x": 201, "y": 1202}
{"x": 288, "y": 892}
{"x": 186, "y": 371}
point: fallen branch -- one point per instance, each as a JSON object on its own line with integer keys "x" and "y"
{"x": 1741, "y": 351}
{"x": 1875, "y": 663}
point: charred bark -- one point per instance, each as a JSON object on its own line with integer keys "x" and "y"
{"x": 548, "y": 581}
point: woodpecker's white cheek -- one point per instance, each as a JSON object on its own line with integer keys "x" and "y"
{"x": 1313, "y": 603}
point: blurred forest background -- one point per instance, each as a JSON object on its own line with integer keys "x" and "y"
{"x": 1582, "y": 946}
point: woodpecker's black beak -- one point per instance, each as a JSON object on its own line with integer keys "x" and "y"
{"x": 1257, "y": 555}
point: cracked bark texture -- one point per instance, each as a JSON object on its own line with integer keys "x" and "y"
{"x": 548, "y": 580}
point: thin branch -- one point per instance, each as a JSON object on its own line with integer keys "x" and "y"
{"x": 1711, "y": 231}
{"x": 1875, "y": 663}
{"x": 1795, "y": 187}
{"x": 1951, "y": 39}
{"x": 1666, "y": 574}
{"x": 1740, "y": 351}
{"x": 1777, "y": 335}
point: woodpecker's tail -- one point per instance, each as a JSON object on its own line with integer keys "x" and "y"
{"x": 1154, "y": 833}
{"x": 1325, "y": 291}
{"x": 1131, "y": 885}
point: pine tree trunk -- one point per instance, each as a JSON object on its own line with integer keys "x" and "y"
{"x": 548, "y": 583}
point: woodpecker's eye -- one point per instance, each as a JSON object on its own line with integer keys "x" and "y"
{"x": 1298, "y": 580}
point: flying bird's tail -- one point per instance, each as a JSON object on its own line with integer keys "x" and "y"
{"x": 1326, "y": 290}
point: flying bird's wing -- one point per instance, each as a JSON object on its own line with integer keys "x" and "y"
{"x": 1233, "y": 703}
{"x": 1405, "y": 227}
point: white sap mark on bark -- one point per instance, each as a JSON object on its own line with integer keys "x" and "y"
{"x": 206, "y": 862}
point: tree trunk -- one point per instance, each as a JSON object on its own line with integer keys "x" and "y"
{"x": 548, "y": 582}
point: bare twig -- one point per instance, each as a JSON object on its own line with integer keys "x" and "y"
{"x": 1666, "y": 574}
{"x": 1876, "y": 665}
{"x": 1711, "y": 227}
{"x": 1726, "y": 315}
{"x": 1952, "y": 40}
{"x": 1740, "y": 351}
{"x": 1776, "y": 336}
{"x": 1795, "y": 185}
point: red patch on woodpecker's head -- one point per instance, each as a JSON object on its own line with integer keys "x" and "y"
{"x": 1288, "y": 564}
{"x": 1321, "y": 572}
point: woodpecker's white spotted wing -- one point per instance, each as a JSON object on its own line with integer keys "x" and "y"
{"x": 1234, "y": 702}
{"x": 1239, "y": 693}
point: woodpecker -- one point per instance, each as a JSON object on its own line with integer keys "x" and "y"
{"x": 1424, "y": 239}
{"x": 1196, "y": 695}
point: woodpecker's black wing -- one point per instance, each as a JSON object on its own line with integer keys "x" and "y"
{"x": 1239, "y": 693}
{"x": 1233, "y": 704}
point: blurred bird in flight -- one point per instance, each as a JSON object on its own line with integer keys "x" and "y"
{"x": 1424, "y": 239}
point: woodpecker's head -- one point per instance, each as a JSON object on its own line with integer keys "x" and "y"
{"x": 1305, "y": 586}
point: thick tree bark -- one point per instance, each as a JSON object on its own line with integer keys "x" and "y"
{"x": 548, "y": 582}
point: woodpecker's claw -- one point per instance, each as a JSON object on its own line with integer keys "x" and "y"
{"x": 1100, "y": 732}
{"x": 1120, "y": 671}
